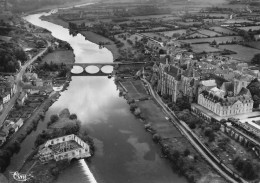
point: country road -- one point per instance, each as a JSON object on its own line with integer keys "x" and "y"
{"x": 18, "y": 81}
{"x": 194, "y": 140}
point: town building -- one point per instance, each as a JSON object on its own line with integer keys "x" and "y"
{"x": 64, "y": 148}
{"x": 21, "y": 99}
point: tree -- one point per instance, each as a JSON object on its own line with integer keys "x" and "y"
{"x": 256, "y": 59}
{"x": 186, "y": 152}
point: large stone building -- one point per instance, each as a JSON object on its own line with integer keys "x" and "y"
{"x": 66, "y": 147}
{"x": 177, "y": 82}
{"x": 169, "y": 80}
{"x": 231, "y": 99}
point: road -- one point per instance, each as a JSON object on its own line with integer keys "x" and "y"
{"x": 194, "y": 140}
{"x": 18, "y": 81}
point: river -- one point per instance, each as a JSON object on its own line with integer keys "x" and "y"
{"x": 125, "y": 153}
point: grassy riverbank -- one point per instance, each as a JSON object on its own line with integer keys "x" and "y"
{"x": 184, "y": 159}
{"x": 64, "y": 5}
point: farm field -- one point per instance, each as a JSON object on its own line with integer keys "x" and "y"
{"x": 209, "y": 33}
{"x": 154, "y": 36}
{"x": 189, "y": 23}
{"x": 199, "y": 48}
{"x": 217, "y": 39}
{"x": 254, "y": 44}
{"x": 232, "y": 21}
{"x": 253, "y": 28}
{"x": 171, "y": 18}
{"x": 243, "y": 53}
{"x": 196, "y": 35}
{"x": 149, "y": 17}
{"x": 158, "y": 28}
{"x": 223, "y": 30}
{"x": 219, "y": 15}
{"x": 170, "y": 33}
{"x": 59, "y": 56}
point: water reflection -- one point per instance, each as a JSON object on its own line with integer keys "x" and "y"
{"x": 107, "y": 69}
{"x": 92, "y": 69}
{"x": 77, "y": 69}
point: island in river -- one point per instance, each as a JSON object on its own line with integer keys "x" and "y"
{"x": 59, "y": 126}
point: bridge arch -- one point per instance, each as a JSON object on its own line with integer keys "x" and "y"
{"x": 92, "y": 69}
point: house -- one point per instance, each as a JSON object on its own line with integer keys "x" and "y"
{"x": 21, "y": 99}
{"x": 18, "y": 124}
{"x": 5, "y": 96}
{"x": 1, "y": 106}
{"x": 66, "y": 147}
{"x": 3, "y": 136}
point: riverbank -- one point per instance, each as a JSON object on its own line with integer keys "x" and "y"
{"x": 184, "y": 159}
{"x": 66, "y": 5}
{"x": 90, "y": 36}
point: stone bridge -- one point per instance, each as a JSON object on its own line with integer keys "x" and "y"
{"x": 100, "y": 65}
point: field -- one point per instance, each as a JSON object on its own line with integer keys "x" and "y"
{"x": 199, "y": 48}
{"x": 60, "y": 56}
{"x": 253, "y": 28}
{"x": 170, "y": 18}
{"x": 217, "y": 39}
{"x": 135, "y": 89}
{"x": 154, "y": 36}
{"x": 219, "y": 15}
{"x": 254, "y": 44}
{"x": 196, "y": 35}
{"x": 243, "y": 53}
{"x": 158, "y": 28}
{"x": 232, "y": 21}
{"x": 189, "y": 23}
{"x": 209, "y": 33}
{"x": 170, "y": 33}
{"x": 149, "y": 17}
{"x": 223, "y": 31}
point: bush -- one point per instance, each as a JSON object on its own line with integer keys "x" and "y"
{"x": 14, "y": 147}
{"x": 54, "y": 118}
{"x": 73, "y": 116}
{"x": 156, "y": 137}
{"x": 133, "y": 106}
{"x": 21, "y": 138}
{"x": 186, "y": 152}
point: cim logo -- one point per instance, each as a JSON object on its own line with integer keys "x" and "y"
{"x": 21, "y": 177}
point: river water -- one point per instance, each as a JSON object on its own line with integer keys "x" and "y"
{"x": 125, "y": 153}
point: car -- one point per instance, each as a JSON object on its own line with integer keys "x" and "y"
{"x": 166, "y": 118}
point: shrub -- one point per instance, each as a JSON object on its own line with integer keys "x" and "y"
{"x": 157, "y": 137}
{"x": 73, "y": 116}
{"x": 186, "y": 152}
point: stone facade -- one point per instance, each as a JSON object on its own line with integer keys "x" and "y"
{"x": 221, "y": 104}
{"x": 66, "y": 147}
